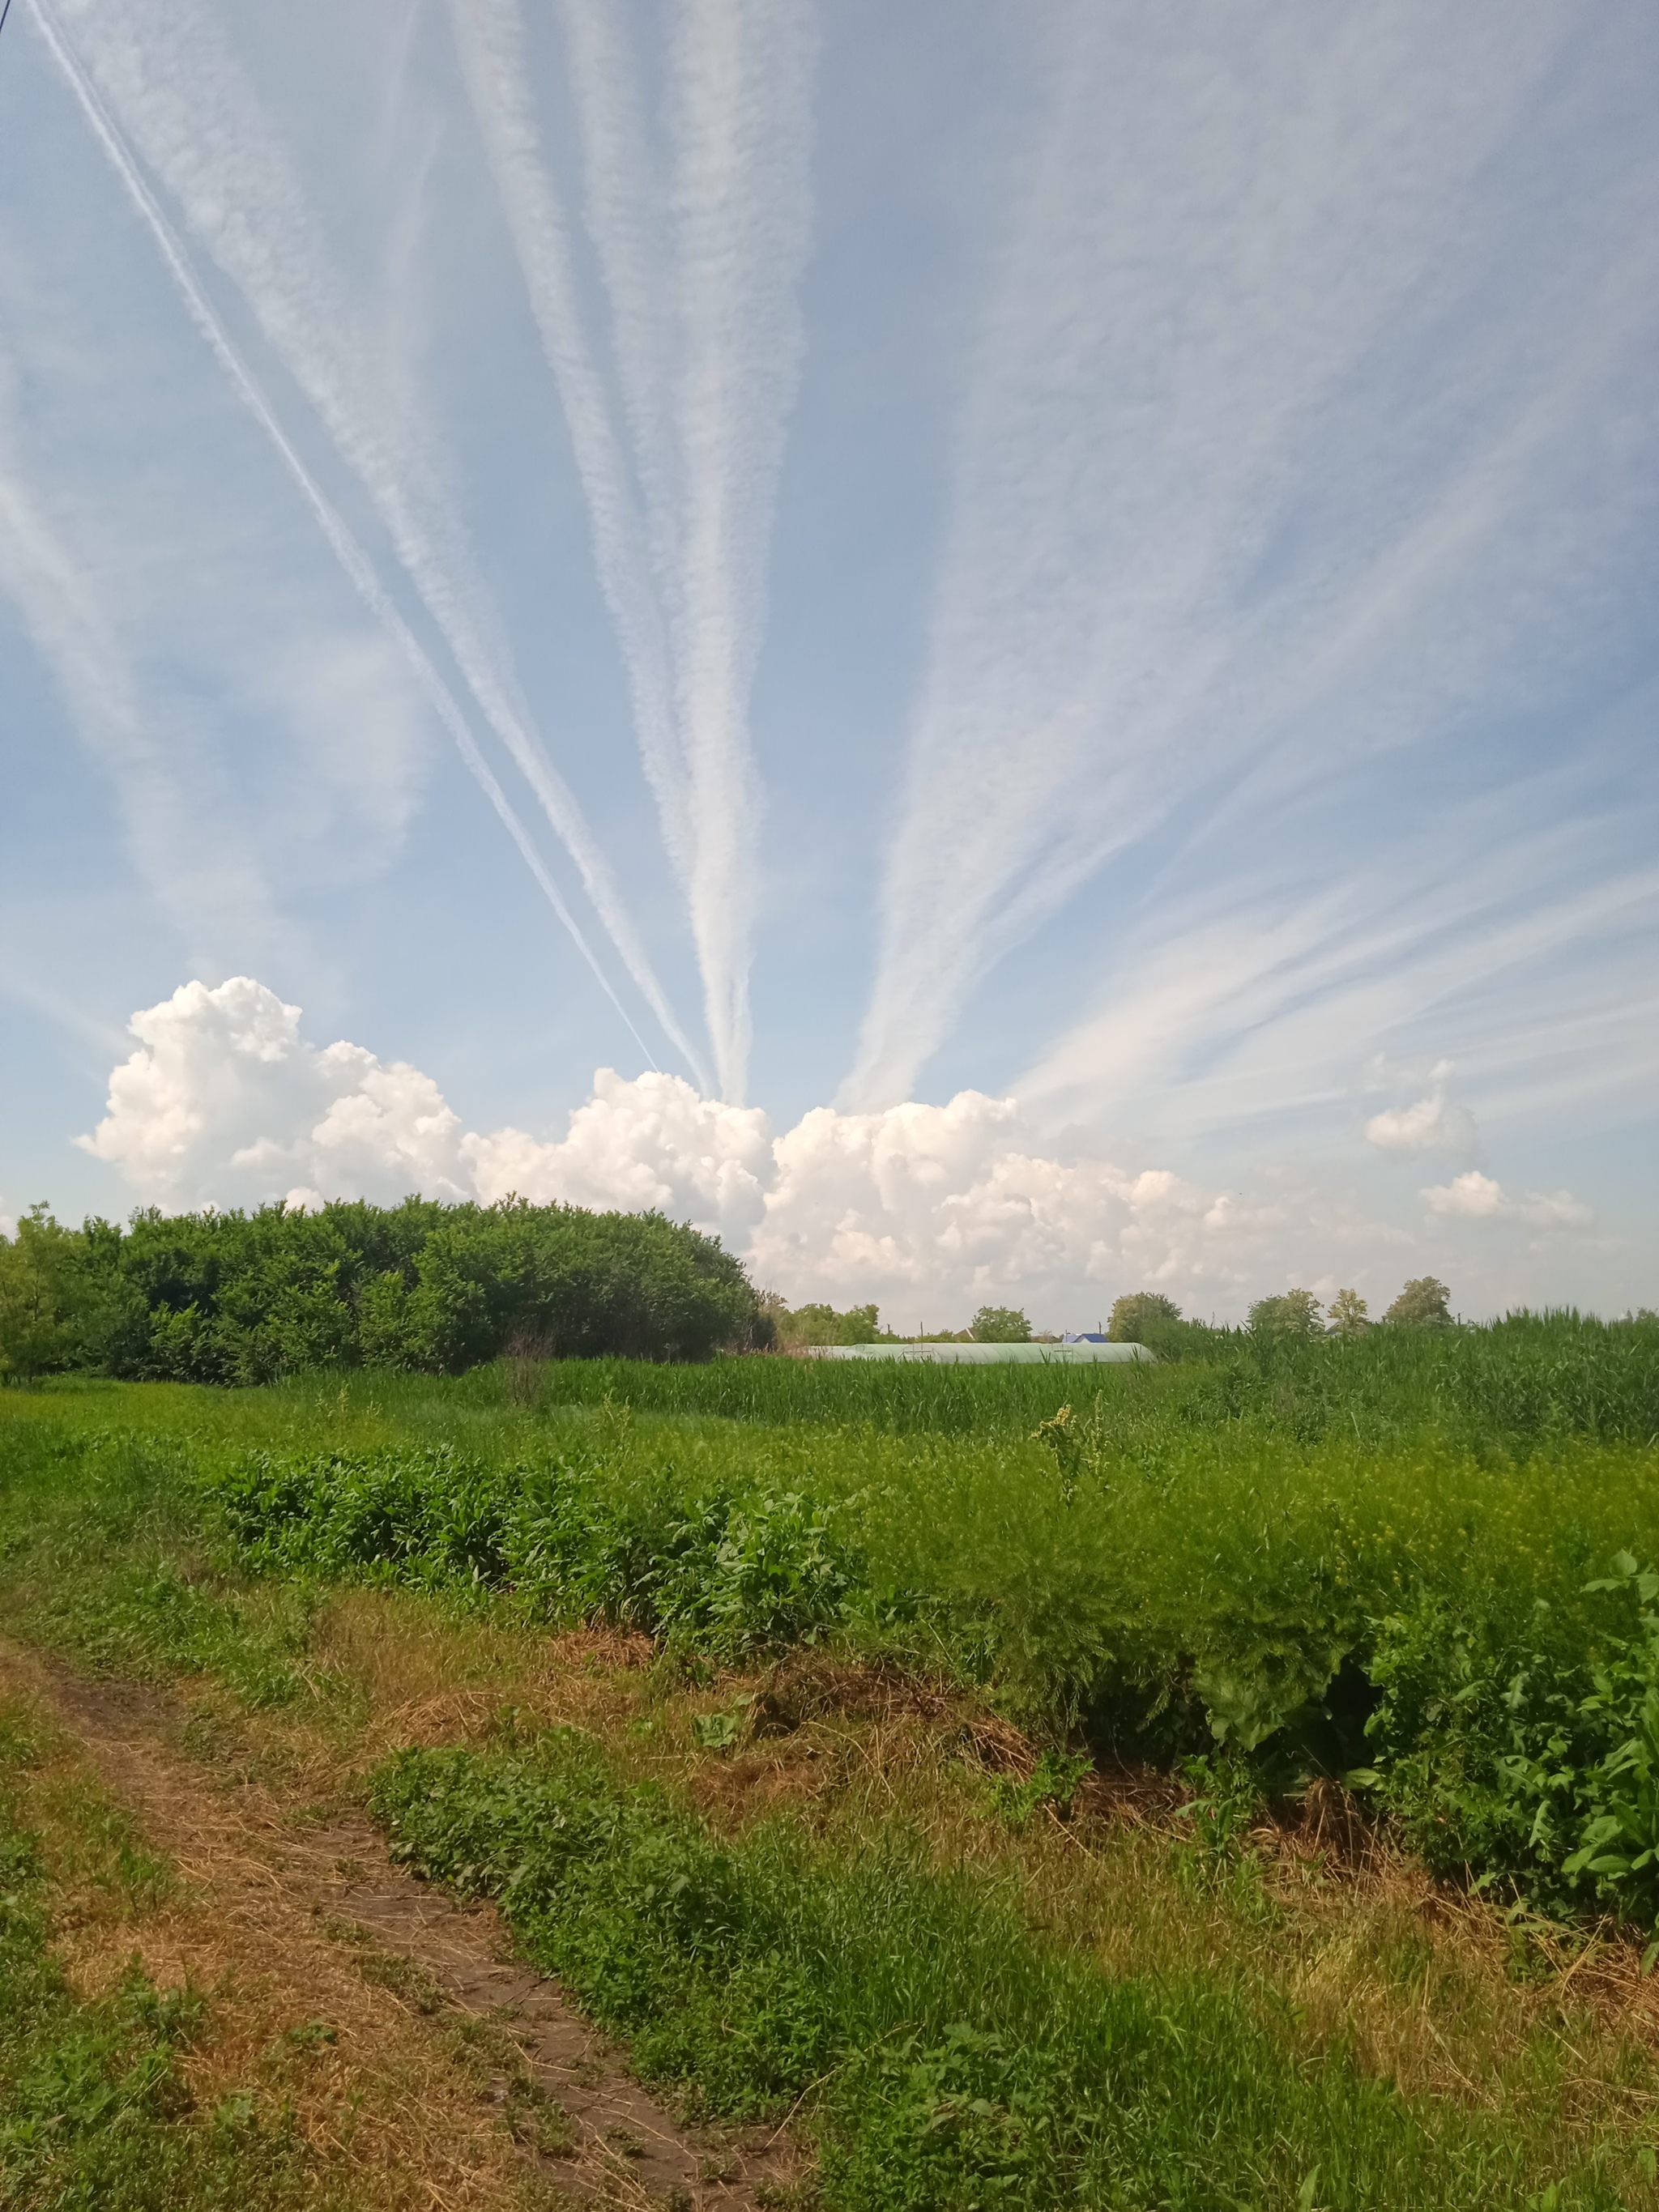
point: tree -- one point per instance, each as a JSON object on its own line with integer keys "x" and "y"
{"x": 38, "y": 1287}
{"x": 1000, "y": 1325}
{"x": 1139, "y": 1312}
{"x": 822, "y": 1324}
{"x": 1295, "y": 1313}
{"x": 1348, "y": 1311}
{"x": 1424, "y": 1304}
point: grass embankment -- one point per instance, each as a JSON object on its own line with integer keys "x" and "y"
{"x": 964, "y": 2009}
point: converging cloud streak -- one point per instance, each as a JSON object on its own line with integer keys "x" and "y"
{"x": 356, "y": 565}
{"x": 701, "y": 253}
{"x": 167, "y": 77}
{"x": 1280, "y": 349}
{"x": 1169, "y": 501}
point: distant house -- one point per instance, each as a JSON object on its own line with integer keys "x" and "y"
{"x": 1088, "y": 1336}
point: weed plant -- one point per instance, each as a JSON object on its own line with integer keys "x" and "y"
{"x": 942, "y": 2054}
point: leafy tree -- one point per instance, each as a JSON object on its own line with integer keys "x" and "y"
{"x": 1348, "y": 1311}
{"x": 243, "y": 1298}
{"x": 1137, "y": 1313}
{"x": 822, "y": 1324}
{"x": 1424, "y": 1304}
{"x": 40, "y": 1279}
{"x": 1295, "y": 1313}
{"x": 1000, "y": 1325}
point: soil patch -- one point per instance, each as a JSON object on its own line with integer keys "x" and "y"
{"x": 326, "y": 1893}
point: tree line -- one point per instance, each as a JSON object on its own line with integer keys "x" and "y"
{"x": 420, "y": 1287}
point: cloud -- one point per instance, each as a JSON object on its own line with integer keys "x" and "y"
{"x": 175, "y": 92}
{"x": 649, "y": 1142}
{"x": 1259, "y": 996}
{"x": 701, "y": 272}
{"x": 929, "y": 1210}
{"x": 198, "y": 861}
{"x": 1432, "y": 1124}
{"x": 223, "y": 1103}
{"x": 1475, "y": 1197}
{"x": 1245, "y": 490}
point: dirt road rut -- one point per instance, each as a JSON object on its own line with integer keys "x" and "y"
{"x": 317, "y": 1887}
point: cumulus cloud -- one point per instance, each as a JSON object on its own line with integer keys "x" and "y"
{"x": 1432, "y": 1124}
{"x": 917, "y": 1197}
{"x": 1477, "y": 1197}
{"x": 929, "y": 1210}
{"x": 653, "y": 1142}
{"x": 223, "y": 1103}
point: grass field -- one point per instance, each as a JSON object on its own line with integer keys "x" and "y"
{"x": 1236, "y": 1785}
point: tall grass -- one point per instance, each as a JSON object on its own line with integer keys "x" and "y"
{"x": 1517, "y": 1383}
{"x": 943, "y": 2056}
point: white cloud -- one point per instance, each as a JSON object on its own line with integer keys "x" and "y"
{"x": 173, "y": 90}
{"x": 700, "y": 267}
{"x": 1214, "y": 540}
{"x": 928, "y": 1209}
{"x": 649, "y": 1142}
{"x": 1477, "y": 1197}
{"x": 1432, "y": 1124}
{"x": 223, "y": 1103}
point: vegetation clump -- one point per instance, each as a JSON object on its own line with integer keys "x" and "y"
{"x": 416, "y": 1288}
{"x": 940, "y": 2053}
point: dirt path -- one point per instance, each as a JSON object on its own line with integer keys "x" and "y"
{"x": 318, "y": 1890}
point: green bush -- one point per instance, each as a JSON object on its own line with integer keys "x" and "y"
{"x": 247, "y": 1298}
{"x": 940, "y": 2055}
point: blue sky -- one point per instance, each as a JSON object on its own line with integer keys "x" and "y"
{"x": 1035, "y": 625}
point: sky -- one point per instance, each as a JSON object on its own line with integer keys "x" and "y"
{"x": 1005, "y": 654}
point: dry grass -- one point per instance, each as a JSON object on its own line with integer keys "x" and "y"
{"x": 374, "y": 2088}
{"x": 1347, "y": 1943}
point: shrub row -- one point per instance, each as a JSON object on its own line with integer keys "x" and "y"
{"x": 1385, "y": 1620}
{"x": 419, "y": 1287}
{"x": 728, "y": 1571}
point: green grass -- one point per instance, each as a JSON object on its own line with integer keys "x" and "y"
{"x": 1367, "y": 1559}
{"x": 943, "y": 2054}
{"x": 1192, "y": 1560}
{"x": 93, "y": 2114}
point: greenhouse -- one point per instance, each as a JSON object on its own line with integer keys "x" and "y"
{"x": 985, "y": 1355}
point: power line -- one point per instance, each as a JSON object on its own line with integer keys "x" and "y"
{"x": 5, "y": 12}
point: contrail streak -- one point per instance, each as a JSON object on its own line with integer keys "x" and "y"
{"x": 708, "y": 345}
{"x": 341, "y": 543}
{"x": 489, "y": 37}
{"x": 1238, "y": 440}
{"x": 197, "y": 128}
